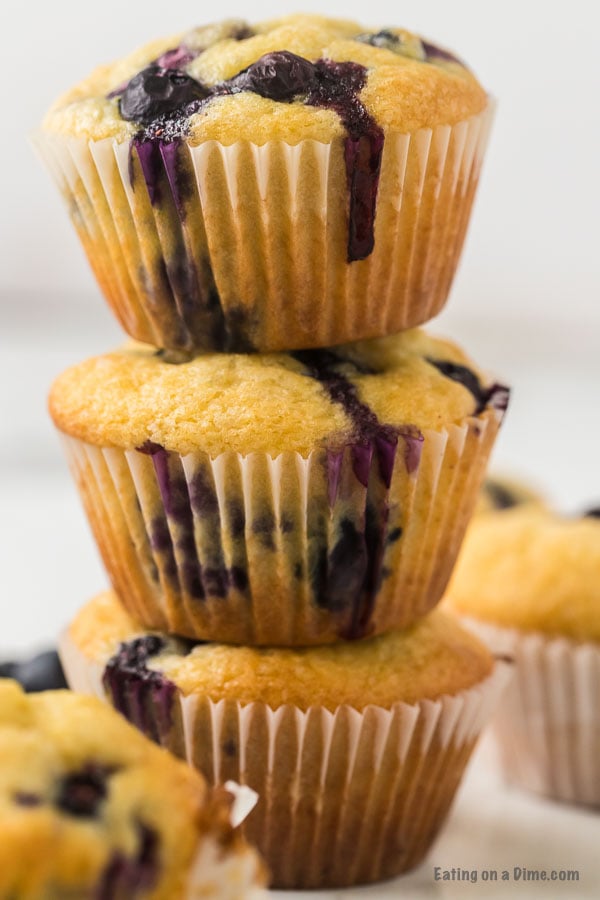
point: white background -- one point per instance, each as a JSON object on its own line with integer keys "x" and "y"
{"x": 526, "y": 303}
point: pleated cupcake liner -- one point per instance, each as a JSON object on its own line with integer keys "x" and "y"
{"x": 345, "y": 797}
{"x": 547, "y": 727}
{"x": 290, "y": 550}
{"x": 245, "y": 246}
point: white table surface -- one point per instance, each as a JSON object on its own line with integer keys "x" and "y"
{"x": 49, "y": 565}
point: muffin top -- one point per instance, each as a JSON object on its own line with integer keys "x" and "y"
{"x": 532, "y": 569}
{"x": 295, "y": 78}
{"x": 90, "y": 807}
{"x": 432, "y": 658}
{"x": 137, "y": 398}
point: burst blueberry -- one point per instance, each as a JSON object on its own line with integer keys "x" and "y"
{"x": 157, "y": 92}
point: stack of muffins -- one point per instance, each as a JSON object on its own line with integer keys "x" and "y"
{"x": 279, "y": 478}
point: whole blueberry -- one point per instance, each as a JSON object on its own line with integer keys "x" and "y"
{"x": 277, "y": 76}
{"x": 593, "y": 513}
{"x": 41, "y": 673}
{"x": 81, "y": 793}
{"x": 156, "y": 91}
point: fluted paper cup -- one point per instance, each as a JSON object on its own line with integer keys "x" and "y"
{"x": 547, "y": 727}
{"x": 290, "y": 550}
{"x": 244, "y": 247}
{"x": 346, "y": 796}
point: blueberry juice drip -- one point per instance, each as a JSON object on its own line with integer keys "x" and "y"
{"x": 368, "y": 432}
{"x": 142, "y": 695}
{"x": 162, "y": 100}
{"x": 337, "y": 88}
{"x": 353, "y": 570}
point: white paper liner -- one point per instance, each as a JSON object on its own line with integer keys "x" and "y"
{"x": 220, "y": 874}
{"x": 260, "y": 239}
{"x": 547, "y": 727}
{"x": 151, "y": 552}
{"x": 346, "y": 797}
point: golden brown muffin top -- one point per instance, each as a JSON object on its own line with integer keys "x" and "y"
{"x": 84, "y": 795}
{"x": 268, "y": 402}
{"x": 532, "y": 569}
{"x": 432, "y": 658}
{"x": 407, "y": 84}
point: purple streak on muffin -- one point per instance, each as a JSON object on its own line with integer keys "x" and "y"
{"x": 176, "y": 58}
{"x": 150, "y": 160}
{"x": 175, "y": 175}
{"x": 337, "y": 88}
{"x": 339, "y": 575}
{"x": 142, "y": 695}
{"x": 413, "y": 447}
{"x": 495, "y": 396}
{"x": 432, "y": 51}
{"x": 386, "y": 445}
{"x": 362, "y": 458}
{"x": 150, "y": 448}
{"x": 593, "y": 513}
{"x": 334, "y": 469}
{"x": 368, "y": 431}
{"x": 203, "y": 495}
{"x": 125, "y": 877}
{"x": 375, "y": 540}
{"x": 81, "y": 793}
{"x": 263, "y": 526}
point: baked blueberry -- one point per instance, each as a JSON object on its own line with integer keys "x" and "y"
{"x": 40, "y": 673}
{"x": 155, "y": 92}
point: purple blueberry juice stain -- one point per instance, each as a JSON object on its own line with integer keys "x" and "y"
{"x": 144, "y": 696}
{"x": 351, "y": 574}
{"x": 338, "y": 86}
{"x": 369, "y": 434}
{"x": 173, "y": 535}
{"x": 176, "y": 58}
{"x": 593, "y": 513}
{"x": 432, "y": 51}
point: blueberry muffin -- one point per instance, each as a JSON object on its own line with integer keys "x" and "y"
{"x": 528, "y": 580}
{"x": 293, "y": 184}
{"x": 279, "y": 499}
{"x": 90, "y": 808}
{"x": 356, "y": 750}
